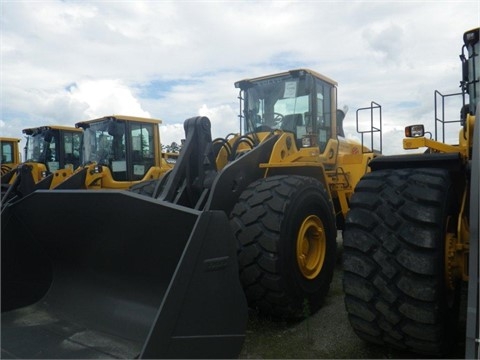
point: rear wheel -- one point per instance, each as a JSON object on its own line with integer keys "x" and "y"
{"x": 285, "y": 227}
{"x": 394, "y": 240}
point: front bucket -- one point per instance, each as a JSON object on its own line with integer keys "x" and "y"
{"x": 149, "y": 279}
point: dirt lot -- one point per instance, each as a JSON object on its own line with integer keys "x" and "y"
{"x": 325, "y": 335}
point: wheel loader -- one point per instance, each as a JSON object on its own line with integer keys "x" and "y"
{"x": 51, "y": 155}
{"x": 9, "y": 156}
{"x": 118, "y": 151}
{"x": 168, "y": 268}
{"x": 408, "y": 241}
{"x": 112, "y": 152}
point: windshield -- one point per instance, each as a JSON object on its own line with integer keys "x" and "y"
{"x": 277, "y": 104}
{"x": 297, "y": 103}
{"x": 104, "y": 141}
{"x": 44, "y": 146}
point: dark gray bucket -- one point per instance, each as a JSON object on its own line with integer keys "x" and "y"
{"x": 149, "y": 280}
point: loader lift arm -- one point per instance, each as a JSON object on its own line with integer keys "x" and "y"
{"x": 193, "y": 174}
{"x": 196, "y": 183}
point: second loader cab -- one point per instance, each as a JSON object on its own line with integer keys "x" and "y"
{"x": 52, "y": 154}
{"x": 126, "y": 145}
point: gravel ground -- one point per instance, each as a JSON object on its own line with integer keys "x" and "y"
{"x": 325, "y": 335}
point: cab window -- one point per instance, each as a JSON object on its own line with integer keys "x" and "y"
{"x": 72, "y": 143}
{"x": 143, "y": 157}
{"x": 7, "y": 153}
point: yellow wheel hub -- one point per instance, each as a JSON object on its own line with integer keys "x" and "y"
{"x": 311, "y": 247}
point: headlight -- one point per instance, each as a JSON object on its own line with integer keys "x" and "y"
{"x": 414, "y": 131}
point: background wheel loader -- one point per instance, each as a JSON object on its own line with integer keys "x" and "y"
{"x": 408, "y": 237}
{"x": 119, "y": 151}
{"x": 263, "y": 206}
{"x": 113, "y": 152}
{"x": 51, "y": 155}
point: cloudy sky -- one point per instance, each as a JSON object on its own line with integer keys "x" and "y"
{"x": 68, "y": 61}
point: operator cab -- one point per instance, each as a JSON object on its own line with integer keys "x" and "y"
{"x": 54, "y": 146}
{"x": 124, "y": 144}
{"x": 299, "y": 101}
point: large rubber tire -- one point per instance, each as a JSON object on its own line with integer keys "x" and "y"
{"x": 285, "y": 227}
{"x": 395, "y": 287}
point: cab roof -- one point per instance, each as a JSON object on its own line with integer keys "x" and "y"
{"x": 9, "y": 139}
{"x": 315, "y": 74}
{"x": 121, "y": 117}
{"x": 31, "y": 131}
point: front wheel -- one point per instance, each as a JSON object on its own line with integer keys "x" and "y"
{"x": 394, "y": 240}
{"x": 286, "y": 233}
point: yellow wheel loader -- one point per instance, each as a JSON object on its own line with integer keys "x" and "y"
{"x": 113, "y": 152}
{"x": 118, "y": 152}
{"x": 167, "y": 269}
{"x": 51, "y": 155}
{"x": 407, "y": 239}
{"x": 9, "y": 156}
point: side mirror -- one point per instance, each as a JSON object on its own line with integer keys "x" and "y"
{"x": 414, "y": 131}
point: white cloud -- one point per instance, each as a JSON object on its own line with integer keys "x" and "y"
{"x": 65, "y": 61}
{"x": 105, "y": 97}
{"x": 386, "y": 41}
{"x": 170, "y": 133}
{"x": 223, "y": 118}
